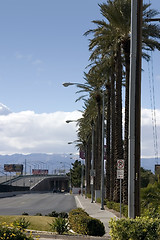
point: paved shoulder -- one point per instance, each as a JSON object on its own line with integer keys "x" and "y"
{"x": 94, "y": 210}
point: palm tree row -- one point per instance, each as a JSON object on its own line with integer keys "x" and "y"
{"x": 109, "y": 72}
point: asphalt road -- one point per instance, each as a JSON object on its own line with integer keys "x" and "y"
{"x": 33, "y": 203}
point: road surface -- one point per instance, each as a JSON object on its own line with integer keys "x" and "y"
{"x": 33, "y": 203}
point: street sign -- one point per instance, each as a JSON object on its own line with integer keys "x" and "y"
{"x": 120, "y": 174}
{"x": 93, "y": 172}
{"x": 120, "y": 164}
{"x": 91, "y": 180}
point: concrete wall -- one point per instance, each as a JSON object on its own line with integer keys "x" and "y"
{"x": 9, "y": 188}
{"x": 53, "y": 183}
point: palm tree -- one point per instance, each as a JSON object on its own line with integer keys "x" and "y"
{"x": 95, "y": 96}
{"x": 113, "y": 35}
{"x": 84, "y": 135}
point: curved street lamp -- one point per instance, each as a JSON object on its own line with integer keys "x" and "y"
{"x": 69, "y": 121}
{"x": 69, "y": 164}
{"x": 67, "y": 84}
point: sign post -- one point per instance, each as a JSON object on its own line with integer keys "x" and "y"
{"x": 120, "y": 175}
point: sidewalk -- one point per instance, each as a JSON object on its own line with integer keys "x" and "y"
{"x": 94, "y": 210}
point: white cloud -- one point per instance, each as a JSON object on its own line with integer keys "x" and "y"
{"x": 28, "y": 58}
{"x": 37, "y": 62}
{"x": 28, "y": 132}
{"x": 147, "y": 134}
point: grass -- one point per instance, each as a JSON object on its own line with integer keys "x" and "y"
{"x": 39, "y": 223}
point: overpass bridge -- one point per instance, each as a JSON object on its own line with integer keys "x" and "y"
{"x": 56, "y": 183}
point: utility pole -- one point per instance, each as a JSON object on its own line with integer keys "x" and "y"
{"x": 135, "y": 110}
{"x": 138, "y": 108}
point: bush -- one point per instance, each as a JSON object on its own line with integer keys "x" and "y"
{"x": 38, "y": 214}
{"x": 21, "y": 223}
{"x": 25, "y": 214}
{"x": 95, "y": 227}
{"x": 77, "y": 211}
{"x": 53, "y": 214}
{"x": 59, "y": 225}
{"x": 98, "y": 200}
{"x": 12, "y": 233}
{"x": 63, "y": 215}
{"x": 135, "y": 229}
{"x": 81, "y": 223}
{"x": 151, "y": 211}
{"x": 116, "y": 206}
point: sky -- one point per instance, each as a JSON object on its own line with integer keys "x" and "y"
{"x": 41, "y": 46}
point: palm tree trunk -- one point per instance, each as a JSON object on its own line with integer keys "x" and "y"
{"x": 108, "y": 159}
{"x": 88, "y": 166}
{"x": 99, "y": 143}
{"x": 118, "y": 119}
{"x": 126, "y": 49}
{"x": 112, "y": 168}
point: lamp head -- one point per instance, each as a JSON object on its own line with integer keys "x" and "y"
{"x": 66, "y": 84}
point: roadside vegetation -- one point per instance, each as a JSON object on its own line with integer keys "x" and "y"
{"x": 40, "y": 223}
{"x": 77, "y": 220}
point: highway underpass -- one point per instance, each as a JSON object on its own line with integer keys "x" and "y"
{"x": 56, "y": 183}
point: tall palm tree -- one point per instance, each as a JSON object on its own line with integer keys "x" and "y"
{"x": 95, "y": 95}
{"x": 113, "y": 35}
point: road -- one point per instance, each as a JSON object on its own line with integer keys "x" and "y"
{"x": 33, "y": 203}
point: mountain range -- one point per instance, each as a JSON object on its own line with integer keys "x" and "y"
{"x": 4, "y": 110}
{"x": 53, "y": 162}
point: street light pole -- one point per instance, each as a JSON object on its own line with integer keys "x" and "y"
{"x": 70, "y": 176}
{"x": 92, "y": 165}
{"x": 82, "y": 178}
{"x": 102, "y": 160}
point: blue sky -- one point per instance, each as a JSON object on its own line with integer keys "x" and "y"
{"x": 41, "y": 46}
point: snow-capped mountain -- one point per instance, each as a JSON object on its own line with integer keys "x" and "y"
{"x": 4, "y": 110}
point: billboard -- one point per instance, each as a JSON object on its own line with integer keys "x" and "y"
{"x": 157, "y": 169}
{"x": 82, "y": 154}
{"x": 13, "y": 168}
{"x": 40, "y": 171}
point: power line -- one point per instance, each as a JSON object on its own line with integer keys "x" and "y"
{"x": 153, "y": 109}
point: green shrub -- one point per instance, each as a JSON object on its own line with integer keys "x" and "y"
{"x": 24, "y": 213}
{"x": 98, "y": 200}
{"x": 80, "y": 222}
{"x": 21, "y": 223}
{"x": 63, "y": 215}
{"x": 151, "y": 211}
{"x": 141, "y": 228}
{"x": 95, "y": 227}
{"x": 59, "y": 225}
{"x": 116, "y": 206}
{"x": 109, "y": 204}
{"x": 77, "y": 211}
{"x": 12, "y": 233}
{"x": 53, "y": 214}
{"x": 88, "y": 195}
{"x": 150, "y": 194}
{"x": 38, "y": 214}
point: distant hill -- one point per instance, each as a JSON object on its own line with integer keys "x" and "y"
{"x": 54, "y": 162}
{"x": 149, "y": 163}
